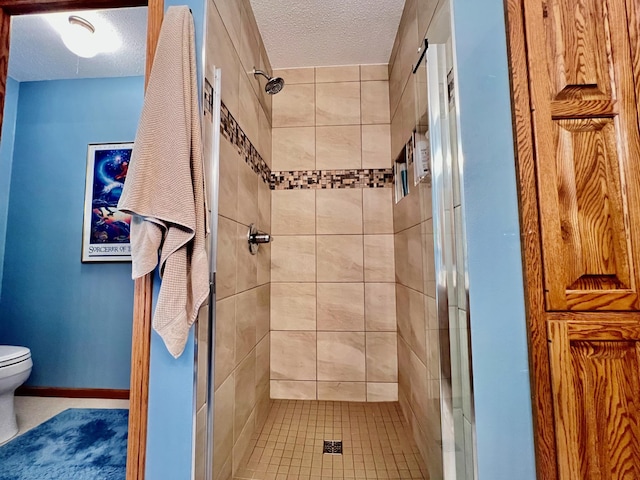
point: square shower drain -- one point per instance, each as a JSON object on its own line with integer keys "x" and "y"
{"x": 332, "y": 447}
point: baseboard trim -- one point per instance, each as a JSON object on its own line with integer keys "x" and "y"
{"x": 73, "y": 392}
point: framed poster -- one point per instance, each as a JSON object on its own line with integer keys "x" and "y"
{"x": 105, "y": 231}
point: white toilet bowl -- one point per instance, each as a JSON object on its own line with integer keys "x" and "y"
{"x": 15, "y": 368}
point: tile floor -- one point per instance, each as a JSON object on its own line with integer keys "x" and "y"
{"x": 376, "y": 443}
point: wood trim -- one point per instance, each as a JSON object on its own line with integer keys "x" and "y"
{"x": 154, "y": 23}
{"x": 139, "y": 399}
{"x": 142, "y": 310}
{"x": 5, "y": 37}
{"x": 113, "y": 394}
{"x": 544, "y": 437}
{"x": 22, "y": 7}
{"x": 563, "y": 398}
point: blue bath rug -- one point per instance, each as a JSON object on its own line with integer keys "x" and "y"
{"x": 77, "y": 444}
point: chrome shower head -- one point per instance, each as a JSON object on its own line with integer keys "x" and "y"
{"x": 274, "y": 84}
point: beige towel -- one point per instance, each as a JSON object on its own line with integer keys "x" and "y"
{"x": 164, "y": 189}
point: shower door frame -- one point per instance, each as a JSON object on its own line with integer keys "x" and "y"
{"x": 141, "y": 334}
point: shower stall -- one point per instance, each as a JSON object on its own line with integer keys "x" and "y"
{"x": 355, "y": 317}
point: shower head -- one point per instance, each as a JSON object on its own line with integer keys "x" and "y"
{"x": 274, "y": 84}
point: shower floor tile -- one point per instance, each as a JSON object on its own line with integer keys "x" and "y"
{"x": 376, "y": 443}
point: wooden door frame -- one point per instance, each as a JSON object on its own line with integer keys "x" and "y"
{"x": 141, "y": 335}
{"x": 539, "y": 370}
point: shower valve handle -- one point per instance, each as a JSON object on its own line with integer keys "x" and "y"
{"x": 255, "y": 238}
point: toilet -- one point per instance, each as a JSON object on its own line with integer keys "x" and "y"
{"x": 15, "y": 368}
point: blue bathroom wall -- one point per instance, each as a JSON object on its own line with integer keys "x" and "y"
{"x": 75, "y": 317}
{"x": 498, "y": 325}
{"x": 6, "y": 159}
{"x": 171, "y": 381}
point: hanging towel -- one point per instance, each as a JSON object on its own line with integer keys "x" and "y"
{"x": 164, "y": 189}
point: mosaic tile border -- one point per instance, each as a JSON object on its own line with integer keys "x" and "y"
{"x": 302, "y": 179}
{"x": 230, "y": 130}
{"x": 326, "y": 179}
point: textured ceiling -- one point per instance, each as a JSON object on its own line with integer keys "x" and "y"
{"x": 37, "y": 52}
{"x": 305, "y": 33}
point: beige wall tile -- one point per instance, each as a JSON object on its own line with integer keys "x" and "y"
{"x": 375, "y": 102}
{"x": 264, "y": 264}
{"x": 340, "y": 306}
{"x": 264, "y": 206}
{"x": 402, "y": 312}
{"x": 338, "y": 147}
{"x": 294, "y": 148}
{"x": 408, "y": 258}
{"x": 340, "y": 258}
{"x": 408, "y": 111}
{"x": 407, "y": 212}
{"x": 404, "y": 367}
{"x": 432, "y": 353}
{"x": 419, "y": 388}
{"x": 228, "y": 194}
{"x": 247, "y": 194}
{"x": 341, "y": 356}
{"x": 202, "y": 355}
{"x": 294, "y": 106}
{"x": 342, "y": 391}
{"x": 374, "y": 72}
{"x": 377, "y": 210}
{"x": 428, "y": 259}
{"x": 293, "y": 355}
{"x": 432, "y": 313}
{"x": 247, "y": 263}
{"x": 225, "y": 359}
{"x": 382, "y": 357}
{"x": 293, "y": 306}
{"x": 248, "y": 110}
{"x": 397, "y": 142}
{"x": 293, "y": 212}
{"x": 293, "y": 390}
{"x": 221, "y": 52}
{"x": 293, "y": 259}
{"x": 263, "y": 407}
{"x": 244, "y": 444}
{"x": 266, "y": 100}
{"x": 249, "y": 46}
{"x": 263, "y": 311}
{"x": 263, "y": 354}
{"x": 264, "y": 146}
{"x": 231, "y": 13}
{"x": 245, "y": 392}
{"x": 412, "y": 319}
{"x": 339, "y": 211}
{"x": 226, "y": 257}
{"x": 293, "y": 76}
{"x": 379, "y": 258}
{"x": 246, "y": 312}
{"x": 338, "y": 103}
{"x": 380, "y": 307}
{"x": 223, "y": 417}
{"x": 376, "y": 146}
{"x": 349, "y": 73}
{"x": 382, "y": 392}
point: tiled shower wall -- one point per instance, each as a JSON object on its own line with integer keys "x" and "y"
{"x": 242, "y": 343}
{"x": 418, "y": 329}
{"x": 333, "y": 324}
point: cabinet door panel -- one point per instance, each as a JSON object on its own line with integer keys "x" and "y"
{"x": 587, "y": 148}
{"x": 596, "y": 391}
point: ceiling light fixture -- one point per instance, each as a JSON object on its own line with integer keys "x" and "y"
{"x": 83, "y": 37}
{"x": 79, "y": 38}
